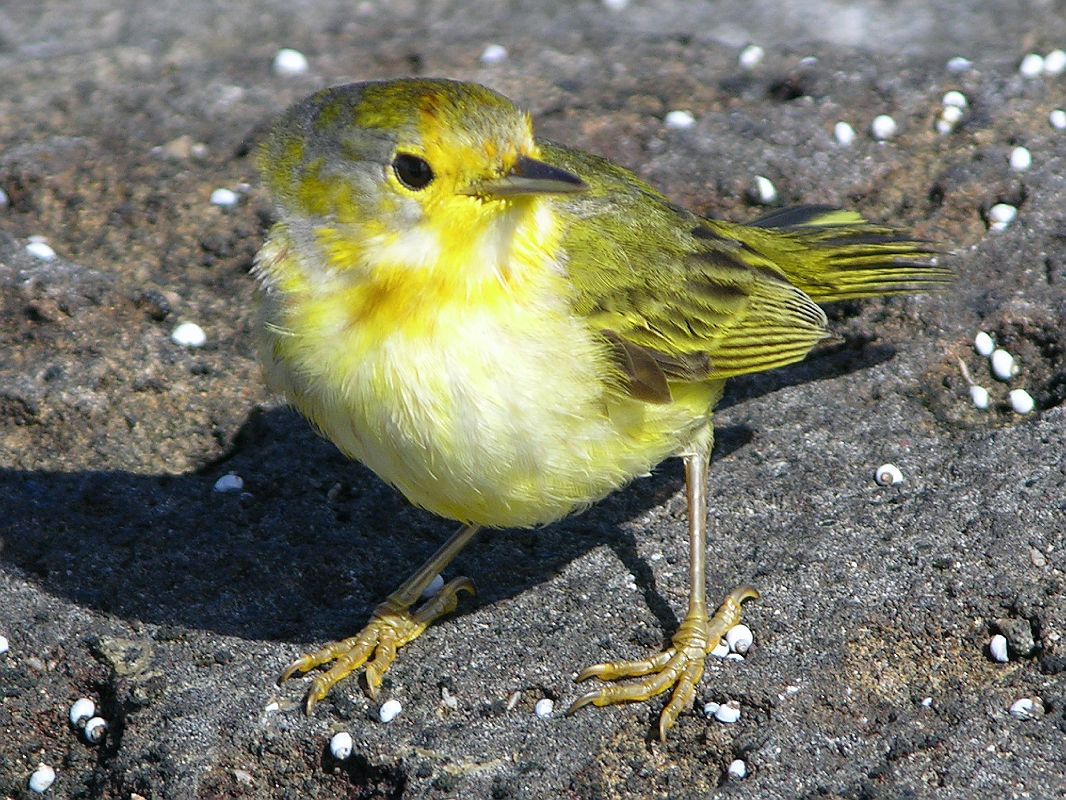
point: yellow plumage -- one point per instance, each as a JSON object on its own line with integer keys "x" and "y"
{"x": 507, "y": 330}
{"x": 456, "y": 391}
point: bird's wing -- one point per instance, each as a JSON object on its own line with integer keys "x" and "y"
{"x": 678, "y": 299}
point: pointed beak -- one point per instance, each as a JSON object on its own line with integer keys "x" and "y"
{"x": 527, "y": 177}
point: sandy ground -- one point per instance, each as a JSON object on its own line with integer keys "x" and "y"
{"x": 126, "y": 579}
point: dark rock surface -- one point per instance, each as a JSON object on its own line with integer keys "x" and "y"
{"x": 125, "y": 578}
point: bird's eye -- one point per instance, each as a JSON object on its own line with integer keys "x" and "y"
{"x": 413, "y": 172}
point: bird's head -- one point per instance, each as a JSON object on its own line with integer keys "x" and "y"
{"x": 406, "y": 170}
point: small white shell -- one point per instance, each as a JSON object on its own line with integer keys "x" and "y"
{"x": 42, "y": 777}
{"x": 1020, "y": 159}
{"x": 1055, "y": 62}
{"x": 949, "y": 117}
{"x": 1027, "y": 708}
{"x": 82, "y": 710}
{"x": 289, "y": 63}
{"x": 434, "y": 586}
{"x": 224, "y": 198}
{"x": 679, "y": 119}
{"x": 189, "y": 334}
{"x": 42, "y": 251}
{"x": 983, "y": 344}
{"x": 721, "y": 650}
{"x": 883, "y": 127}
{"x": 888, "y": 475}
{"x": 448, "y": 699}
{"x": 952, "y": 115}
{"x": 763, "y": 190}
{"x": 958, "y": 64}
{"x": 95, "y": 729}
{"x": 1003, "y": 366}
{"x": 389, "y": 710}
{"x": 615, "y": 5}
{"x": 927, "y": 702}
{"x": 955, "y": 98}
{"x": 710, "y": 709}
{"x": 979, "y": 395}
{"x": 230, "y": 482}
{"x": 1032, "y": 65}
{"x": 1001, "y": 215}
{"x": 734, "y": 657}
{"x": 738, "y": 769}
{"x": 751, "y": 56}
{"x": 728, "y": 712}
{"x": 844, "y": 133}
{"x": 544, "y": 707}
{"x": 493, "y": 54}
{"x": 340, "y": 746}
{"x": 739, "y": 638}
{"x": 997, "y": 648}
{"x": 3, "y": 645}
{"x": 1057, "y": 118}
{"x": 1021, "y": 401}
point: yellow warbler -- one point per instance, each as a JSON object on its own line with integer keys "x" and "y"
{"x": 507, "y": 330}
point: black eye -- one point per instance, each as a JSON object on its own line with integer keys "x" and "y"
{"x": 413, "y": 172}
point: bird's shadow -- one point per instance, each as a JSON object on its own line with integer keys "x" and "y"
{"x": 314, "y": 541}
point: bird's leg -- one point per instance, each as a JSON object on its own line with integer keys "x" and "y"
{"x": 391, "y": 626}
{"x": 681, "y": 666}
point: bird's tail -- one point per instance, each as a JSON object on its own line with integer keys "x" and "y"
{"x": 831, "y": 254}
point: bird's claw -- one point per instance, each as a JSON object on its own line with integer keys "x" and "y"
{"x": 390, "y": 628}
{"x": 679, "y": 666}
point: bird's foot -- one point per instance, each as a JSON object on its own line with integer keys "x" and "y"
{"x": 391, "y": 627}
{"x": 680, "y": 666}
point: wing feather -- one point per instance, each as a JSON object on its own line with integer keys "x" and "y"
{"x": 684, "y": 299}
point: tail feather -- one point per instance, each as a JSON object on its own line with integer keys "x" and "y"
{"x": 806, "y": 215}
{"x": 832, "y": 254}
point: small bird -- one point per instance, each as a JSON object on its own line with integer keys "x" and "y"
{"x": 507, "y": 330}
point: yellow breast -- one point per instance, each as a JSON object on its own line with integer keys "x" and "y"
{"x": 487, "y": 401}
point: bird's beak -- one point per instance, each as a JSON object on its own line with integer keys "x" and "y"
{"x": 529, "y": 176}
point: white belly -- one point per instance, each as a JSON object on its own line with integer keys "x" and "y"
{"x": 496, "y": 421}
